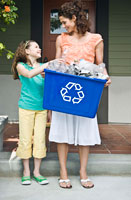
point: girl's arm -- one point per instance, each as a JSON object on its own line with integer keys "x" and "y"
{"x": 99, "y": 60}
{"x": 29, "y": 74}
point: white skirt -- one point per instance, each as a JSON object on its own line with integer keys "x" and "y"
{"x": 72, "y": 129}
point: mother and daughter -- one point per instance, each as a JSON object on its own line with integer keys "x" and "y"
{"x": 65, "y": 129}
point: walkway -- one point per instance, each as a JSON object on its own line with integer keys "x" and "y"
{"x": 106, "y": 187}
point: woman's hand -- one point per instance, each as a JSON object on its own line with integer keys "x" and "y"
{"x": 108, "y": 82}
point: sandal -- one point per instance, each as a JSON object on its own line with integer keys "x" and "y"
{"x": 41, "y": 180}
{"x": 66, "y": 181}
{"x": 25, "y": 180}
{"x": 86, "y": 181}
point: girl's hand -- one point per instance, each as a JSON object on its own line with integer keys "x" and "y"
{"x": 108, "y": 82}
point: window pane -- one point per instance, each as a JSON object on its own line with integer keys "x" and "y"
{"x": 55, "y": 25}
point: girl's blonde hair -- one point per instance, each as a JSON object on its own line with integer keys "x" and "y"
{"x": 20, "y": 56}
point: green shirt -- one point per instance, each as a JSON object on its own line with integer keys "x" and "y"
{"x": 32, "y": 89}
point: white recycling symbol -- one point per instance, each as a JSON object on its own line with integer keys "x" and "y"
{"x": 69, "y": 86}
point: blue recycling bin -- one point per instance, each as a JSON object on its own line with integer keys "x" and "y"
{"x": 72, "y": 94}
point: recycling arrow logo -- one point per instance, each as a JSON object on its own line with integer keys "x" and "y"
{"x": 70, "y": 86}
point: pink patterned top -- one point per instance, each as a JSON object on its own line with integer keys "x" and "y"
{"x": 72, "y": 51}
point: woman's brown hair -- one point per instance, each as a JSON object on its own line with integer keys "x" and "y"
{"x": 20, "y": 56}
{"x": 75, "y": 7}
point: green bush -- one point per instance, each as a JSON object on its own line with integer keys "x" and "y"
{"x": 8, "y": 16}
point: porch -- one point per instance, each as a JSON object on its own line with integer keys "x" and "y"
{"x": 116, "y": 139}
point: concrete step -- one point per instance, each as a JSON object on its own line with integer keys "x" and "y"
{"x": 98, "y": 164}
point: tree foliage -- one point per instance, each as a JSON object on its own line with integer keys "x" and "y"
{"x": 8, "y": 15}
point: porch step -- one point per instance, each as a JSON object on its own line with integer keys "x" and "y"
{"x": 98, "y": 164}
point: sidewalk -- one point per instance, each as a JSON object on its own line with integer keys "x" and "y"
{"x": 106, "y": 188}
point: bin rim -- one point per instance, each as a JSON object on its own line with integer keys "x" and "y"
{"x": 81, "y": 77}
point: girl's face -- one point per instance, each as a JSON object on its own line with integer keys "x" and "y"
{"x": 34, "y": 50}
{"x": 68, "y": 24}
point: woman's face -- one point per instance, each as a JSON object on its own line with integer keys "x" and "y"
{"x": 68, "y": 24}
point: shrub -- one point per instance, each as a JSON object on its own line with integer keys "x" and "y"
{"x": 8, "y": 16}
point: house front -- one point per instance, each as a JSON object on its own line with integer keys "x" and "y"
{"x": 112, "y": 19}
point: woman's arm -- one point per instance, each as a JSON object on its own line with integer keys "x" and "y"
{"x": 29, "y": 74}
{"x": 99, "y": 60}
{"x": 58, "y": 47}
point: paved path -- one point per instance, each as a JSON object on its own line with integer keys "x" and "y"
{"x": 106, "y": 188}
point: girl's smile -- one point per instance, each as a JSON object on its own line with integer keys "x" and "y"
{"x": 34, "y": 50}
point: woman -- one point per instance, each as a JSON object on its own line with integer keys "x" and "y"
{"x": 66, "y": 129}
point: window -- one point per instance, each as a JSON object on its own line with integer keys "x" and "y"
{"x": 55, "y": 25}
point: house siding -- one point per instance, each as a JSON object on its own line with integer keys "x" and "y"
{"x": 120, "y": 37}
{"x": 119, "y": 106}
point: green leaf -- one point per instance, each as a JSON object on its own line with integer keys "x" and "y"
{"x": 3, "y": 2}
{"x": 3, "y": 29}
{"x": 13, "y": 21}
{"x": 15, "y": 8}
{"x": 4, "y": 15}
{"x": 2, "y": 46}
{"x": 8, "y": 56}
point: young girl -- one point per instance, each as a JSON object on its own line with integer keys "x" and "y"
{"x": 32, "y": 116}
{"x": 78, "y": 43}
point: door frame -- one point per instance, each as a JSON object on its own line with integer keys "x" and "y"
{"x": 102, "y": 27}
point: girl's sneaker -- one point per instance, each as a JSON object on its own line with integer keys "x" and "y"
{"x": 26, "y": 180}
{"x": 41, "y": 180}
